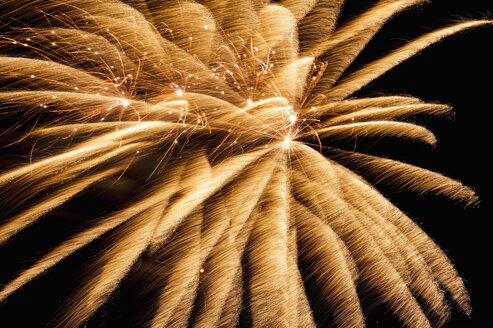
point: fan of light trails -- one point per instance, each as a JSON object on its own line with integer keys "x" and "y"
{"x": 230, "y": 103}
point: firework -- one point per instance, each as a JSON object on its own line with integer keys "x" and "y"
{"x": 226, "y": 116}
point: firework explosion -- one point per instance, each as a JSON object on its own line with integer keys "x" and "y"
{"x": 227, "y": 114}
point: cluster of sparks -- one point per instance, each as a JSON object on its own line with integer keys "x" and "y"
{"x": 229, "y": 100}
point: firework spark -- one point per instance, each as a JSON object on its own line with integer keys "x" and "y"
{"x": 218, "y": 110}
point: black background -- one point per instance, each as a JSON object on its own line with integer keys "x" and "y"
{"x": 457, "y": 71}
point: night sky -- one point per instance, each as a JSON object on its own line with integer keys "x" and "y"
{"x": 457, "y": 72}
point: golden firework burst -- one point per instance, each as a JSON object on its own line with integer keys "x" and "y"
{"x": 218, "y": 110}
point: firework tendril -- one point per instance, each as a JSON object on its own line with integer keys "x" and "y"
{"x": 227, "y": 115}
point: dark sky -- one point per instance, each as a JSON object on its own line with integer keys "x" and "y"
{"x": 458, "y": 71}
